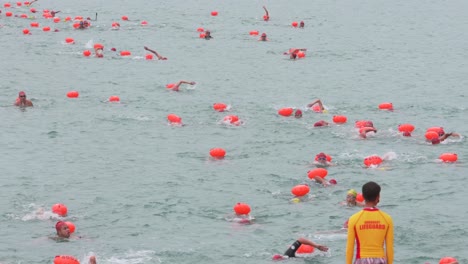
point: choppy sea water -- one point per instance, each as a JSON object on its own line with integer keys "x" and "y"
{"x": 140, "y": 191}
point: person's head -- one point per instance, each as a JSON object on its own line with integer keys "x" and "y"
{"x": 332, "y": 181}
{"x": 369, "y": 124}
{"x": 322, "y": 157}
{"x": 320, "y": 123}
{"x": 301, "y": 25}
{"x": 62, "y": 229}
{"x": 298, "y": 113}
{"x": 435, "y": 141}
{"x": 22, "y": 96}
{"x": 263, "y": 37}
{"x": 371, "y": 192}
{"x": 207, "y": 33}
{"x": 407, "y": 134}
{"x": 351, "y": 197}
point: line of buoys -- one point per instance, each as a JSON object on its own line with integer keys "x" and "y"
{"x": 217, "y": 153}
{"x": 321, "y": 172}
{"x": 448, "y": 157}
{"x": 220, "y": 107}
{"x": 87, "y": 53}
{"x": 59, "y": 209}
{"x": 242, "y": 208}
{"x": 329, "y": 158}
{"x": 65, "y": 259}
{"x": 286, "y": 111}
{"x": 214, "y": 13}
{"x": 300, "y": 190}
{"x": 305, "y": 249}
{"x": 360, "y": 197}
{"x": 73, "y": 94}
{"x": 71, "y": 227}
{"x": 373, "y": 160}
{"x": 340, "y": 119}
{"x": 125, "y": 53}
{"x": 114, "y": 98}
{"x": 174, "y": 119}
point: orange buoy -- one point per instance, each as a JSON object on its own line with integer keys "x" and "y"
{"x": 220, "y": 107}
{"x": 45, "y": 29}
{"x": 76, "y": 25}
{"x": 174, "y": 119}
{"x": 300, "y": 190}
{"x": 144, "y": 23}
{"x": 59, "y": 209}
{"x": 448, "y": 157}
{"x": 26, "y": 31}
{"x": 316, "y": 108}
{"x": 8, "y": 14}
{"x": 321, "y": 172}
{"x": 125, "y": 18}
{"x": 294, "y": 24}
{"x": 202, "y": 35}
{"x": 71, "y": 226}
{"x": 125, "y": 53}
{"x": 149, "y": 56}
{"x": 34, "y": 24}
{"x": 430, "y": 135}
{"x": 56, "y": 19}
{"x": 386, "y": 106}
{"x": 373, "y": 160}
{"x": 447, "y": 260}
{"x": 69, "y": 41}
{"x": 47, "y": 15}
{"x": 19, "y": 4}
{"x": 7, "y": 5}
{"x": 78, "y": 18}
{"x": 86, "y": 53}
{"x": 231, "y": 119}
{"x": 406, "y": 128}
{"x": 329, "y": 158}
{"x": 73, "y": 94}
{"x": 253, "y": 32}
{"x": 287, "y": 111}
{"x": 360, "y": 197}
{"x": 242, "y": 208}
{"x": 98, "y": 46}
{"x": 305, "y": 249}
{"x": 114, "y": 98}
{"x": 24, "y": 16}
{"x": 301, "y": 54}
{"x": 170, "y": 85}
{"x": 64, "y": 259}
{"x": 339, "y": 119}
{"x": 439, "y": 130}
{"x": 217, "y": 153}
{"x": 68, "y": 18}
{"x": 214, "y": 13}
{"x": 200, "y": 29}
{"x": 33, "y": 10}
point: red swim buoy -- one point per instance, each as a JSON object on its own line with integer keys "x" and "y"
{"x": 447, "y": 260}
{"x": 78, "y": 18}
{"x": 301, "y": 54}
{"x": 69, "y": 41}
{"x": 200, "y": 29}
{"x": 214, "y": 13}
{"x": 68, "y": 18}
{"x": 64, "y": 259}
{"x": 34, "y": 24}
{"x": 144, "y": 23}
{"x": 26, "y": 31}
{"x": 24, "y": 16}
{"x": 8, "y": 14}
{"x": 19, "y": 4}
{"x": 305, "y": 249}
{"x": 294, "y": 24}
{"x": 33, "y": 10}
{"x": 125, "y": 18}
{"x": 360, "y": 197}
{"x": 329, "y": 158}
{"x": 124, "y": 53}
{"x": 174, "y": 119}
{"x": 430, "y": 135}
{"x": 439, "y": 130}
{"x": 73, "y": 94}
{"x": 45, "y": 29}
{"x": 87, "y": 53}
{"x": 7, "y": 5}
{"x": 149, "y": 56}
{"x": 316, "y": 109}
{"x": 202, "y": 35}
{"x": 406, "y": 128}
{"x": 231, "y": 119}
{"x": 114, "y": 98}
{"x": 56, "y": 19}
{"x": 76, "y": 25}
{"x": 321, "y": 172}
{"x": 448, "y": 157}
{"x": 253, "y": 32}
{"x": 372, "y": 160}
{"x": 71, "y": 226}
{"x": 59, "y": 209}
{"x": 98, "y": 46}
{"x": 220, "y": 107}
{"x": 217, "y": 153}
{"x": 300, "y": 190}
{"x": 386, "y": 106}
{"x": 242, "y": 208}
{"x": 287, "y": 111}
{"x": 340, "y": 119}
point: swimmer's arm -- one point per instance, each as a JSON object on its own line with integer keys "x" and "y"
{"x": 316, "y": 102}
{"x": 321, "y": 180}
{"x": 155, "y": 53}
{"x": 266, "y": 11}
{"x": 30, "y": 3}
{"x": 310, "y": 243}
{"x": 176, "y": 86}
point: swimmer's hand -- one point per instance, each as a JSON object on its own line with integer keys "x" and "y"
{"x": 146, "y": 48}
{"x": 322, "y": 248}
{"x": 192, "y": 83}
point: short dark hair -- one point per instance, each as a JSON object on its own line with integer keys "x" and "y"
{"x": 370, "y": 191}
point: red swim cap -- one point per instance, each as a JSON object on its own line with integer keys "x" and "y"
{"x": 298, "y": 113}
{"x": 435, "y": 141}
{"x": 332, "y": 181}
{"x": 320, "y": 123}
{"x": 21, "y": 93}
{"x": 59, "y": 225}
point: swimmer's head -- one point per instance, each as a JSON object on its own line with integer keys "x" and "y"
{"x": 332, "y": 181}
{"x": 22, "y": 94}
{"x": 320, "y": 123}
{"x": 301, "y": 24}
{"x": 298, "y": 113}
{"x": 321, "y": 157}
{"x": 351, "y": 197}
{"x": 435, "y": 141}
{"x": 62, "y": 229}
{"x": 407, "y": 134}
{"x": 352, "y": 192}
{"x": 114, "y": 49}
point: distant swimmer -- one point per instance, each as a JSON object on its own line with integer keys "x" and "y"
{"x": 301, "y": 25}
{"x": 436, "y": 141}
{"x": 298, "y": 113}
{"x": 292, "y": 250}
{"x": 321, "y": 123}
{"x": 176, "y": 86}
{"x": 364, "y": 130}
{"x": 351, "y": 199}
{"x": 99, "y": 51}
{"x": 84, "y": 25}
{"x": 155, "y": 53}
{"x": 293, "y": 52}
{"x": 54, "y": 12}
{"x": 321, "y": 160}
{"x": 21, "y": 101}
{"x": 266, "y": 17}
{"x": 263, "y": 37}
{"x": 208, "y": 35}
{"x": 316, "y": 106}
{"x": 31, "y": 2}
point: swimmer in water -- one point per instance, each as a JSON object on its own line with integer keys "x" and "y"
{"x": 321, "y": 160}
{"x": 444, "y": 136}
{"x": 155, "y": 53}
{"x": 324, "y": 182}
{"x": 301, "y": 25}
{"x": 321, "y": 123}
{"x": 21, "y": 101}
{"x": 32, "y": 2}
{"x": 293, "y": 53}
{"x": 320, "y": 108}
{"x": 266, "y": 17}
{"x": 298, "y": 113}
{"x": 54, "y": 12}
{"x": 62, "y": 230}
{"x": 291, "y": 251}
{"x": 263, "y": 37}
{"x": 83, "y": 25}
{"x": 176, "y": 86}
{"x": 351, "y": 199}
{"x": 364, "y": 130}
{"x": 208, "y": 35}
{"x": 99, "y": 52}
